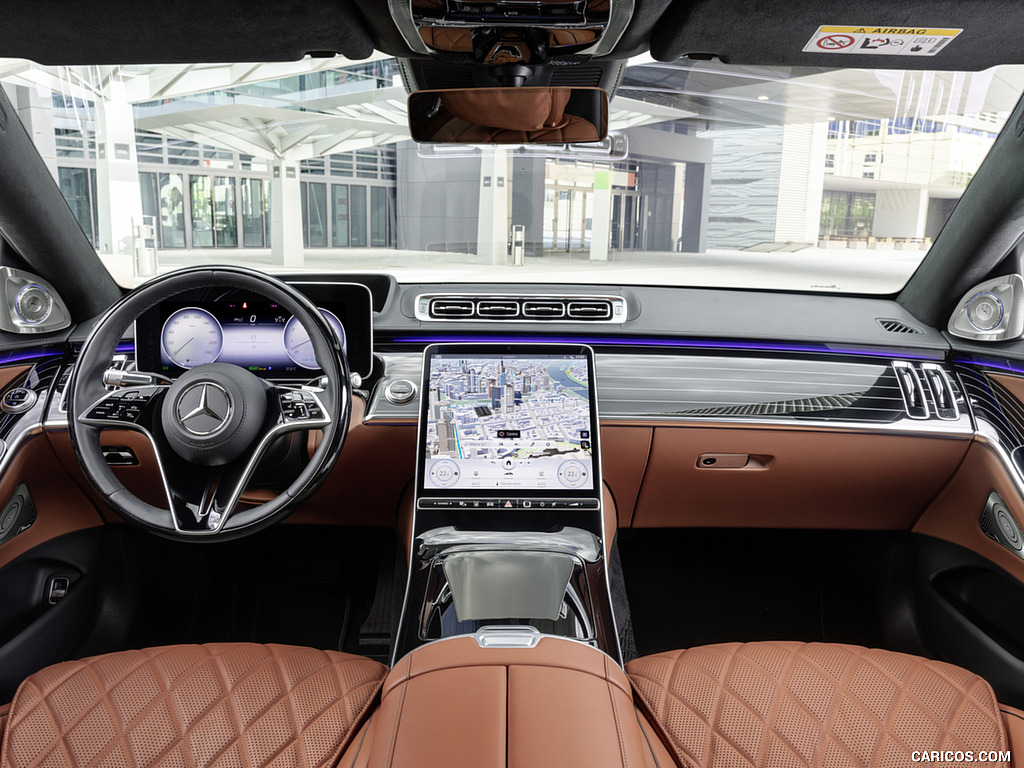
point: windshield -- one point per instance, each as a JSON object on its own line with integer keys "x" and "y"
{"x": 713, "y": 175}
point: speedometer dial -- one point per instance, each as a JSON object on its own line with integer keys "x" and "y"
{"x": 299, "y": 346}
{"x": 191, "y": 337}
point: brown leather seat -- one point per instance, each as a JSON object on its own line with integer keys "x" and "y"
{"x": 231, "y": 704}
{"x": 774, "y": 704}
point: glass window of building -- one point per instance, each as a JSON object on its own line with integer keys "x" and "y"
{"x": 225, "y": 223}
{"x": 339, "y": 215}
{"x": 201, "y": 191}
{"x": 357, "y": 216}
{"x": 378, "y": 217}
{"x": 253, "y": 231}
{"x": 314, "y": 214}
{"x": 77, "y": 189}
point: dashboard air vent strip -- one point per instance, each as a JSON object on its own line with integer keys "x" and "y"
{"x": 445, "y": 308}
{"x": 546, "y": 309}
{"x": 497, "y": 308}
{"x": 523, "y": 309}
{"x": 897, "y": 326}
{"x": 912, "y": 390}
{"x": 599, "y": 309}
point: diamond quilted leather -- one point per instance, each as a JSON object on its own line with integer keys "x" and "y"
{"x": 797, "y": 705}
{"x": 191, "y": 706}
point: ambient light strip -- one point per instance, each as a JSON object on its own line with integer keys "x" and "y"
{"x": 732, "y": 345}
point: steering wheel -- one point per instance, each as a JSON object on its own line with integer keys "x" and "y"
{"x": 210, "y": 428}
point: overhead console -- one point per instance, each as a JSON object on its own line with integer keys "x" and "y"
{"x": 508, "y": 523}
{"x": 500, "y": 32}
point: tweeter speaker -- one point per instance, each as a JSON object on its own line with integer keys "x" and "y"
{"x": 33, "y": 304}
{"x": 998, "y": 523}
{"x": 985, "y": 311}
{"x": 18, "y": 514}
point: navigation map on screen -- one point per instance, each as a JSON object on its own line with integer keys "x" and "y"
{"x": 508, "y": 422}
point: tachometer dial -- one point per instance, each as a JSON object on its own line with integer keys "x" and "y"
{"x": 299, "y": 346}
{"x": 191, "y": 337}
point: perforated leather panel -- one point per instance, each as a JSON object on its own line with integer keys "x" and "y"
{"x": 193, "y": 706}
{"x": 793, "y": 704}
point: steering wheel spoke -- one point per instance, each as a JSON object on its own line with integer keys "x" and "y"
{"x": 131, "y": 408}
{"x": 300, "y": 408}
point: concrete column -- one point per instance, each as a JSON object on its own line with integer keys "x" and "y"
{"x": 286, "y": 216}
{"x": 492, "y": 228}
{"x": 601, "y": 217}
{"x": 117, "y": 173}
{"x": 900, "y": 212}
{"x": 35, "y": 108}
{"x": 696, "y": 194}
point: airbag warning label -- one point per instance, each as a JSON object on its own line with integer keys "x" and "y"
{"x": 881, "y": 41}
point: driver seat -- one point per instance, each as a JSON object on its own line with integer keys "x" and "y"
{"x": 195, "y": 706}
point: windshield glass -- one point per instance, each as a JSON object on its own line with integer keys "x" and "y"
{"x": 714, "y": 175}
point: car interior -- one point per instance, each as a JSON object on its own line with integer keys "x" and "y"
{"x": 305, "y": 513}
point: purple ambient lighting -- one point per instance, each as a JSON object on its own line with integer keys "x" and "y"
{"x": 754, "y": 346}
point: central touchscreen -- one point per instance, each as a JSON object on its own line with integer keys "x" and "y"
{"x": 508, "y": 423}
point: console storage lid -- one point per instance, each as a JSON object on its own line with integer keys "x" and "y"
{"x": 455, "y": 703}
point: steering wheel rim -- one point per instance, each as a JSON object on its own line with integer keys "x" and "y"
{"x": 215, "y": 513}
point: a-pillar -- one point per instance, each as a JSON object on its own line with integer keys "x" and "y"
{"x": 286, "y": 216}
{"x": 601, "y": 216}
{"x": 492, "y": 229}
{"x": 119, "y": 195}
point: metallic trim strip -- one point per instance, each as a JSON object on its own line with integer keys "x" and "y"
{"x": 619, "y": 18}
{"x": 572, "y": 541}
{"x": 401, "y": 13}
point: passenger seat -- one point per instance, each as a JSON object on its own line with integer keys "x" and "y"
{"x": 820, "y": 705}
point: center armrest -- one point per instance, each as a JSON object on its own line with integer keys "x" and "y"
{"x": 454, "y": 702}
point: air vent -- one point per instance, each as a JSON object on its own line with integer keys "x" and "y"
{"x": 497, "y": 308}
{"x": 600, "y": 309}
{"x": 896, "y": 326}
{"x": 445, "y": 308}
{"x": 912, "y": 390}
{"x": 578, "y": 76}
{"x": 552, "y": 309}
{"x": 522, "y": 309}
{"x": 941, "y": 388}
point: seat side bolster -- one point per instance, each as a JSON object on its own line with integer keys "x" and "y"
{"x": 1013, "y": 720}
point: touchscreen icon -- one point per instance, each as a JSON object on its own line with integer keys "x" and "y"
{"x": 444, "y": 473}
{"x": 572, "y": 474}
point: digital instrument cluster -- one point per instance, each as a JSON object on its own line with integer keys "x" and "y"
{"x": 251, "y": 331}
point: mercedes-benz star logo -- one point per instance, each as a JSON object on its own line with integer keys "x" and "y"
{"x": 204, "y": 408}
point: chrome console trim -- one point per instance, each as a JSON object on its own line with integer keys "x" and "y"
{"x": 571, "y": 541}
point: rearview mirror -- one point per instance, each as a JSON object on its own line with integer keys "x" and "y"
{"x": 509, "y": 115}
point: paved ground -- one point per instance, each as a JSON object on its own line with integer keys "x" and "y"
{"x": 846, "y": 271}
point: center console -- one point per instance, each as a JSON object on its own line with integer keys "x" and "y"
{"x": 508, "y": 534}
